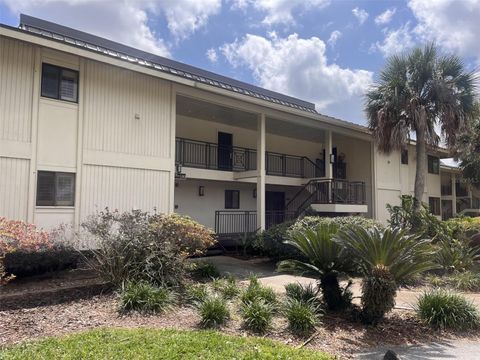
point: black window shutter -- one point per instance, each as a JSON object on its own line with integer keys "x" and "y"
{"x": 46, "y": 188}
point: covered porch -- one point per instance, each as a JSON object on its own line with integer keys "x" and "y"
{"x": 314, "y": 164}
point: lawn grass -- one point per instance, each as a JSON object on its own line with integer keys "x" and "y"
{"x": 156, "y": 344}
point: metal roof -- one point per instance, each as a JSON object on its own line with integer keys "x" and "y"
{"x": 119, "y": 51}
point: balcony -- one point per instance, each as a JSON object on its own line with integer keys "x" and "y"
{"x": 326, "y": 195}
{"x": 205, "y": 155}
{"x": 244, "y": 222}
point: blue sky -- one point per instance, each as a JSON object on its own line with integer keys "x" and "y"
{"x": 324, "y": 51}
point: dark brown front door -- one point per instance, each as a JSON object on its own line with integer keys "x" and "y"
{"x": 225, "y": 149}
{"x": 275, "y": 207}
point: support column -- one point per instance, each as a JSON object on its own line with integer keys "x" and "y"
{"x": 454, "y": 194}
{"x": 328, "y": 150}
{"x": 261, "y": 149}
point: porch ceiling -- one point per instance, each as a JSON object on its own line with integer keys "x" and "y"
{"x": 195, "y": 108}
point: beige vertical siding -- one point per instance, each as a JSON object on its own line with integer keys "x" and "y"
{"x": 113, "y": 97}
{"x": 13, "y": 188}
{"x": 16, "y": 87}
{"x": 124, "y": 189}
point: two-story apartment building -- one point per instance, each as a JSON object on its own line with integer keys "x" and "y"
{"x": 87, "y": 123}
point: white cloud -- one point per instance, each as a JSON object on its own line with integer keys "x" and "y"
{"x": 212, "y": 55}
{"x": 298, "y": 67}
{"x": 279, "y": 11}
{"x": 123, "y": 20}
{"x": 334, "y": 36}
{"x": 396, "y": 41}
{"x": 184, "y": 17}
{"x": 385, "y": 17}
{"x": 360, "y": 14}
{"x": 239, "y": 4}
{"x": 454, "y": 25}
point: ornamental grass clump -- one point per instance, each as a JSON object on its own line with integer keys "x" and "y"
{"x": 196, "y": 293}
{"x": 445, "y": 310}
{"x": 145, "y": 298}
{"x": 256, "y": 291}
{"x": 257, "y": 315}
{"x": 302, "y": 316}
{"x": 204, "y": 270}
{"x": 304, "y": 293}
{"x": 213, "y": 311}
{"x": 228, "y": 289}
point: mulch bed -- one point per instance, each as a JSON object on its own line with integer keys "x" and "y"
{"x": 337, "y": 335}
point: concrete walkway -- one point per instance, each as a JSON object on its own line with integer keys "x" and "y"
{"x": 458, "y": 349}
{"x": 265, "y": 271}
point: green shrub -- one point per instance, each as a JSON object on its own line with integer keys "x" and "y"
{"x": 302, "y": 316}
{"x": 457, "y": 255}
{"x": 463, "y": 225}
{"x": 26, "y": 250}
{"x": 255, "y": 291}
{"x": 213, "y": 311}
{"x": 419, "y": 222}
{"x": 271, "y": 243}
{"x": 204, "y": 270}
{"x": 145, "y": 298}
{"x": 462, "y": 281}
{"x": 137, "y": 246}
{"x": 444, "y": 310}
{"x": 27, "y": 263}
{"x": 341, "y": 222}
{"x": 257, "y": 315}
{"x": 304, "y": 293}
{"x": 196, "y": 292}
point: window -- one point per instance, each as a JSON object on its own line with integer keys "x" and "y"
{"x": 433, "y": 164}
{"x": 434, "y": 205}
{"x": 59, "y": 83}
{"x": 55, "y": 188}
{"x": 404, "y": 157}
{"x": 232, "y": 199}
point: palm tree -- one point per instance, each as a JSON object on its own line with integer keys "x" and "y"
{"x": 386, "y": 258}
{"x": 415, "y": 92}
{"x": 326, "y": 260}
{"x": 468, "y": 149}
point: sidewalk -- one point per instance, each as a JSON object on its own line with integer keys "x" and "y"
{"x": 267, "y": 275}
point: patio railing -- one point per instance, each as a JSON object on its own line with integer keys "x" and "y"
{"x": 206, "y": 155}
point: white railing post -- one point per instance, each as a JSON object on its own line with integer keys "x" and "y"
{"x": 261, "y": 148}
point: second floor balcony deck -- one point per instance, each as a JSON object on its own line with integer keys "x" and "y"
{"x": 206, "y": 155}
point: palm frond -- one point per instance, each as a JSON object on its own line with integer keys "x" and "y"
{"x": 402, "y": 254}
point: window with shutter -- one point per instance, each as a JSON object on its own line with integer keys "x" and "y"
{"x": 46, "y": 188}
{"x": 55, "y": 188}
{"x": 59, "y": 83}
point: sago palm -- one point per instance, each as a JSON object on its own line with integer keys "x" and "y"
{"x": 416, "y": 92}
{"x": 386, "y": 258}
{"x": 326, "y": 260}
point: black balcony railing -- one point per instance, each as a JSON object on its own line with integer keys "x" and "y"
{"x": 244, "y": 222}
{"x": 205, "y": 155}
{"x": 327, "y": 191}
